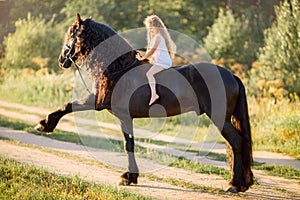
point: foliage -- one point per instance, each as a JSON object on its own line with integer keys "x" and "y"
{"x": 191, "y": 17}
{"x": 275, "y": 125}
{"x": 281, "y": 53}
{"x": 34, "y": 38}
{"x": 20, "y": 8}
{"x": 86, "y": 8}
{"x": 188, "y": 17}
{"x": 238, "y": 69}
{"x": 13, "y": 10}
{"x": 229, "y": 38}
{"x": 265, "y": 82}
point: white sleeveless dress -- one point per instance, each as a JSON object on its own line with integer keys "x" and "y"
{"x": 161, "y": 56}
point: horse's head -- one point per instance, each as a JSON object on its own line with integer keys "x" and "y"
{"x": 101, "y": 47}
{"x": 74, "y": 46}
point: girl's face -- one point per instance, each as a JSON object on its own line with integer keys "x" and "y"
{"x": 153, "y": 30}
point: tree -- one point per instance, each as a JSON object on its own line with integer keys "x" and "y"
{"x": 33, "y": 38}
{"x": 229, "y": 38}
{"x": 282, "y": 45}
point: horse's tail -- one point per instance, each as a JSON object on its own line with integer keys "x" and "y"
{"x": 242, "y": 124}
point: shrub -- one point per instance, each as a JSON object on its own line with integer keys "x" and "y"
{"x": 280, "y": 55}
{"x": 33, "y": 39}
{"x": 229, "y": 38}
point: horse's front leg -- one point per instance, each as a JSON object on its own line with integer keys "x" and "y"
{"x": 51, "y": 121}
{"x": 132, "y": 174}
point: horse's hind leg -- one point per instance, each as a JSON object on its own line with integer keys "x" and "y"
{"x": 52, "y": 119}
{"x": 132, "y": 174}
{"x": 238, "y": 180}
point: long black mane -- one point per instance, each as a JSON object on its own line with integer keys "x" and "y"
{"x": 105, "y": 52}
{"x": 106, "y": 55}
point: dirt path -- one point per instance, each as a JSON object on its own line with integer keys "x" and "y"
{"x": 268, "y": 188}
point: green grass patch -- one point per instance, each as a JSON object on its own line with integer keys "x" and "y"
{"x": 20, "y": 181}
{"x": 281, "y": 171}
{"x": 13, "y": 123}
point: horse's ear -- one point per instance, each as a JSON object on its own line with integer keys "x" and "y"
{"x": 78, "y": 20}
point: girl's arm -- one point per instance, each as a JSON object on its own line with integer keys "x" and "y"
{"x": 151, "y": 50}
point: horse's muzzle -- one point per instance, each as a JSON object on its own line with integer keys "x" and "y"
{"x": 64, "y": 62}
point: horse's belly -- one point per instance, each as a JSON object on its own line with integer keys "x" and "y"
{"x": 162, "y": 108}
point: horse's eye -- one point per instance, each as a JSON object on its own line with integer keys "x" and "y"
{"x": 68, "y": 46}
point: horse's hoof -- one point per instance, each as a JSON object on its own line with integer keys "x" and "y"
{"x": 232, "y": 189}
{"x": 123, "y": 182}
{"x": 127, "y": 178}
{"x": 39, "y": 127}
{"x": 244, "y": 189}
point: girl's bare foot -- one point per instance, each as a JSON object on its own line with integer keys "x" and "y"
{"x": 153, "y": 99}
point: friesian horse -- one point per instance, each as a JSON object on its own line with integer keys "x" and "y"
{"x": 121, "y": 88}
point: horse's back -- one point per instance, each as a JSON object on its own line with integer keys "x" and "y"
{"x": 194, "y": 87}
{"x": 212, "y": 85}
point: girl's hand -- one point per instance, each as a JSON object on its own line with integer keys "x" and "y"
{"x": 139, "y": 57}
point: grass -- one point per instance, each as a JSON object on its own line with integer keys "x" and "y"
{"x": 159, "y": 157}
{"x": 281, "y": 171}
{"x": 275, "y": 126}
{"x": 37, "y": 88}
{"x": 20, "y": 181}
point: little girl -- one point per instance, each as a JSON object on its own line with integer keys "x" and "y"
{"x": 160, "y": 48}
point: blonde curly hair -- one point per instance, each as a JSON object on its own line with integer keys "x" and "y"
{"x": 155, "y": 21}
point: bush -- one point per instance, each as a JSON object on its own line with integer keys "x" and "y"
{"x": 275, "y": 125}
{"x": 34, "y": 44}
{"x": 280, "y": 55}
{"x": 229, "y": 38}
{"x": 264, "y": 81}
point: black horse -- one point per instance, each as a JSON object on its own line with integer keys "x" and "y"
{"x": 121, "y": 88}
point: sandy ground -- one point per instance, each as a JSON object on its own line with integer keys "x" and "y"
{"x": 269, "y": 187}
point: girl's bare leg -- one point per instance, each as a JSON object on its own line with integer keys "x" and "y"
{"x": 150, "y": 75}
